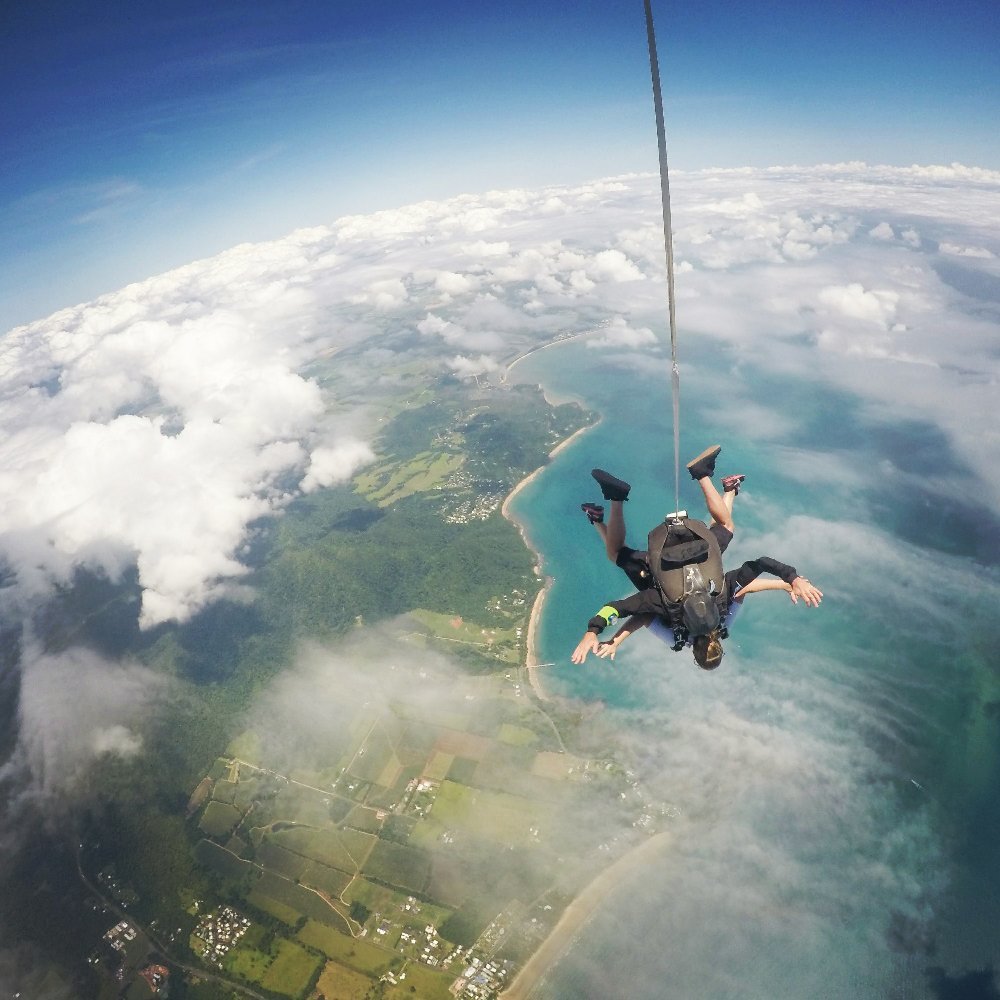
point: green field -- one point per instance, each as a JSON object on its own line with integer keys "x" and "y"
{"x": 391, "y": 482}
{"x": 224, "y": 791}
{"x": 517, "y": 735}
{"x": 219, "y": 819}
{"x": 452, "y": 627}
{"x": 291, "y": 970}
{"x": 299, "y": 898}
{"x": 337, "y": 982}
{"x": 328, "y": 847}
{"x": 328, "y": 880}
{"x": 422, "y": 982}
{"x": 398, "y": 865}
{"x": 246, "y": 962}
{"x": 276, "y": 858}
{"x": 356, "y": 953}
{"x": 285, "y": 913}
{"x": 485, "y": 815}
{"x": 220, "y": 861}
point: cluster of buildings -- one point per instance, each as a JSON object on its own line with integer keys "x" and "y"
{"x": 157, "y": 977}
{"x": 219, "y": 931}
{"x": 477, "y": 508}
{"x": 481, "y": 980}
{"x": 418, "y": 799}
{"x": 120, "y": 935}
{"x": 427, "y": 946}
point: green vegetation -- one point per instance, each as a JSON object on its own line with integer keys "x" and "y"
{"x": 394, "y": 481}
{"x": 291, "y": 970}
{"x": 417, "y": 534}
{"x": 517, "y": 735}
{"x": 337, "y": 982}
{"x": 356, "y": 953}
{"x": 286, "y": 914}
{"x": 398, "y": 865}
{"x": 247, "y": 963}
{"x": 327, "y": 880}
{"x": 219, "y": 820}
{"x": 324, "y": 846}
{"x": 304, "y": 901}
{"x": 427, "y": 984}
{"x": 492, "y": 816}
{"x": 220, "y": 861}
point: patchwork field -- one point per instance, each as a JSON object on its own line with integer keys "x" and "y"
{"x": 357, "y": 954}
{"x": 337, "y": 982}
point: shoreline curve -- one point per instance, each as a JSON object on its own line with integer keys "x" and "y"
{"x": 531, "y": 647}
{"x": 576, "y": 916}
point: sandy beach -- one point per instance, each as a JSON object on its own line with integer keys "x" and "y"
{"x": 578, "y": 913}
{"x": 531, "y": 657}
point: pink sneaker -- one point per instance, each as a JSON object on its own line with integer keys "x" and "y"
{"x": 731, "y": 484}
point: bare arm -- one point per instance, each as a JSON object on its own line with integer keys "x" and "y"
{"x": 760, "y": 584}
{"x": 799, "y": 588}
{"x": 607, "y": 650}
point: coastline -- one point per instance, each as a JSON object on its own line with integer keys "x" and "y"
{"x": 578, "y": 914}
{"x": 531, "y": 647}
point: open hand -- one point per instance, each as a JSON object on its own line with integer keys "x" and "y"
{"x": 802, "y": 588}
{"x": 588, "y": 644}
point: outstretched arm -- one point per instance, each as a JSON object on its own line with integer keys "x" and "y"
{"x": 800, "y": 587}
{"x": 643, "y": 602}
{"x": 607, "y": 650}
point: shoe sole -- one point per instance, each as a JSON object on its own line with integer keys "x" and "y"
{"x": 713, "y": 451}
{"x": 605, "y": 479}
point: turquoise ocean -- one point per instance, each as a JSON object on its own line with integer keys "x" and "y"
{"x": 832, "y": 786}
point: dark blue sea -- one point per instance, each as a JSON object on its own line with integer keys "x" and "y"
{"x": 830, "y": 790}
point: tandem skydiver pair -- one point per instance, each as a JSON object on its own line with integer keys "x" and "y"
{"x": 683, "y": 595}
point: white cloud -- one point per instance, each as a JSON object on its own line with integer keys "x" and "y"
{"x": 452, "y": 283}
{"x": 336, "y": 464}
{"x": 959, "y": 251}
{"x": 462, "y": 365}
{"x": 619, "y": 335}
{"x": 873, "y": 306}
{"x": 76, "y": 707}
{"x": 153, "y": 425}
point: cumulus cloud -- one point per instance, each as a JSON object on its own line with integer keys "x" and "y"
{"x": 618, "y": 335}
{"x": 461, "y": 365}
{"x": 856, "y": 302}
{"x": 336, "y": 465}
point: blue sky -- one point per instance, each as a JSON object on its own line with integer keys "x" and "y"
{"x": 139, "y": 137}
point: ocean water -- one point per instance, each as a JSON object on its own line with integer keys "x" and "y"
{"x": 831, "y": 788}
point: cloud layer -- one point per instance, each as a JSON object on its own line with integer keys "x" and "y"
{"x": 155, "y": 425}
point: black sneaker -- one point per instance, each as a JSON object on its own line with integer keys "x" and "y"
{"x": 612, "y": 488}
{"x": 594, "y": 512}
{"x": 704, "y": 464}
